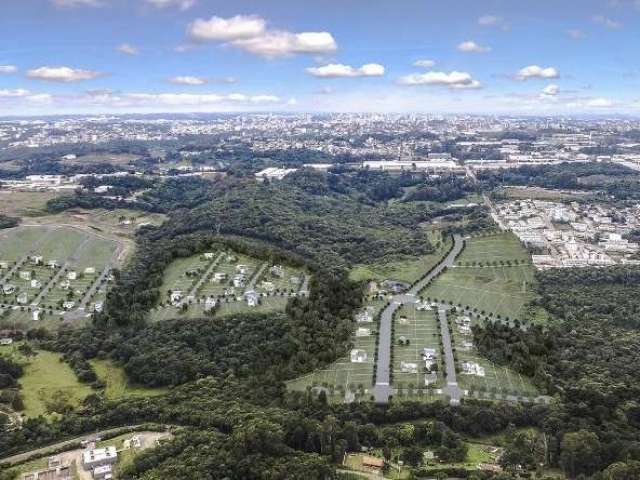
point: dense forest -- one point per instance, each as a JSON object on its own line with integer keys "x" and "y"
{"x": 8, "y": 222}
{"x": 588, "y": 360}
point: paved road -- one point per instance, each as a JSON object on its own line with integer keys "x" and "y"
{"x": 252, "y": 282}
{"x": 451, "y": 389}
{"x": 382, "y": 389}
{"x": 194, "y": 291}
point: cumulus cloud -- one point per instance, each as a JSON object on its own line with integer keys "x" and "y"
{"x": 62, "y": 74}
{"x": 78, "y": 3}
{"x": 551, "y": 90}
{"x": 127, "y": 49}
{"x": 190, "y": 99}
{"x": 424, "y": 63}
{"x": 535, "y": 71}
{"x": 180, "y": 4}
{"x": 607, "y": 22}
{"x": 218, "y": 29}
{"x": 454, "y": 80}
{"x": 8, "y": 69}
{"x": 250, "y": 33}
{"x": 472, "y": 47}
{"x": 189, "y": 80}
{"x": 338, "y": 70}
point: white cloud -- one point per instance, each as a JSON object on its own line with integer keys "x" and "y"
{"x": 337, "y": 70}
{"x": 454, "y": 80}
{"x": 607, "y": 22}
{"x": 219, "y": 29}
{"x": 576, "y": 34}
{"x": 250, "y": 33}
{"x": 535, "y": 71}
{"x": 188, "y": 80}
{"x": 78, "y": 3}
{"x": 180, "y": 4}
{"x": 280, "y": 43}
{"x": 127, "y": 49}
{"x": 14, "y": 93}
{"x": 62, "y": 74}
{"x": 8, "y": 69}
{"x": 472, "y": 47}
{"x": 490, "y": 21}
{"x": 599, "y": 102}
{"x": 551, "y": 90}
{"x": 189, "y": 99}
{"x": 424, "y": 63}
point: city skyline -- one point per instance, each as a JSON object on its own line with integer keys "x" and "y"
{"x": 153, "y": 56}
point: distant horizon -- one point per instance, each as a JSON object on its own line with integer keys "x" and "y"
{"x": 63, "y": 57}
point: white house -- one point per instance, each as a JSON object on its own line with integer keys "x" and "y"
{"x": 358, "y": 356}
{"x": 24, "y": 275}
{"x": 208, "y": 255}
{"x": 36, "y": 259}
{"x": 36, "y": 283}
{"x": 22, "y": 298}
{"x": 209, "y": 304}
{"x": 363, "y": 332}
{"x": 35, "y": 315}
{"x": 252, "y": 298}
{"x": 90, "y": 271}
{"x": 68, "y": 305}
{"x": 4, "y": 265}
{"x": 277, "y": 271}
{"x": 8, "y": 289}
{"x": 176, "y": 297}
{"x": 72, "y": 275}
{"x": 219, "y": 277}
{"x": 242, "y": 269}
{"x": 98, "y": 306}
{"x": 98, "y": 457}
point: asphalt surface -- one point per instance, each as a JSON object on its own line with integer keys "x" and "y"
{"x": 382, "y": 389}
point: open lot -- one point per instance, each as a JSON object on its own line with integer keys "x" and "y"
{"x": 501, "y": 247}
{"x": 48, "y": 382}
{"x": 345, "y": 380}
{"x": 22, "y": 204}
{"x": 504, "y": 291}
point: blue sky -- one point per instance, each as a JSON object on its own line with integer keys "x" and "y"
{"x": 496, "y": 56}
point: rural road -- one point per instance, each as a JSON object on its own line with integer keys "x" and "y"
{"x": 21, "y": 457}
{"x": 382, "y": 389}
{"x": 194, "y": 291}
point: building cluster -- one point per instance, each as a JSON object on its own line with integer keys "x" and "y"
{"x": 573, "y": 234}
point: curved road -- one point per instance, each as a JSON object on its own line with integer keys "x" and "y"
{"x": 382, "y": 389}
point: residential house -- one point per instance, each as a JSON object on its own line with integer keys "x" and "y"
{"x": 8, "y": 289}
{"x": 35, "y": 314}
{"x": 98, "y": 457}
{"x": 23, "y": 298}
{"x": 242, "y": 269}
{"x": 36, "y": 284}
{"x": 219, "y": 277}
{"x": 209, "y": 304}
{"x": 208, "y": 255}
{"x": 252, "y": 298}
{"x": 68, "y": 305}
{"x": 176, "y": 297}
{"x": 103, "y": 472}
{"x": 90, "y": 271}
{"x": 277, "y": 271}
{"x": 72, "y": 275}
{"x": 36, "y": 259}
{"x": 24, "y": 275}
{"x": 358, "y": 356}
{"x": 363, "y": 332}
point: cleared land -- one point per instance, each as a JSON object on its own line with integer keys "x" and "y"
{"x": 479, "y": 279}
{"x": 23, "y": 204}
{"x": 45, "y": 378}
{"x": 407, "y": 270}
{"x": 345, "y": 380}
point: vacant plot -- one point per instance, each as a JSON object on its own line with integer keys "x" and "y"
{"x": 117, "y": 159}
{"x": 414, "y": 331}
{"x": 492, "y": 379}
{"x": 491, "y": 249}
{"x": 504, "y": 291}
{"x": 407, "y": 270}
{"x": 23, "y": 204}
{"x": 48, "y": 384}
{"x": 116, "y": 383}
{"x": 345, "y": 380}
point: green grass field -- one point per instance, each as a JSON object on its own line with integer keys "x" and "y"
{"x": 493, "y": 248}
{"x": 505, "y": 291}
{"x": 45, "y": 375}
{"x": 407, "y": 270}
{"x": 116, "y": 384}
